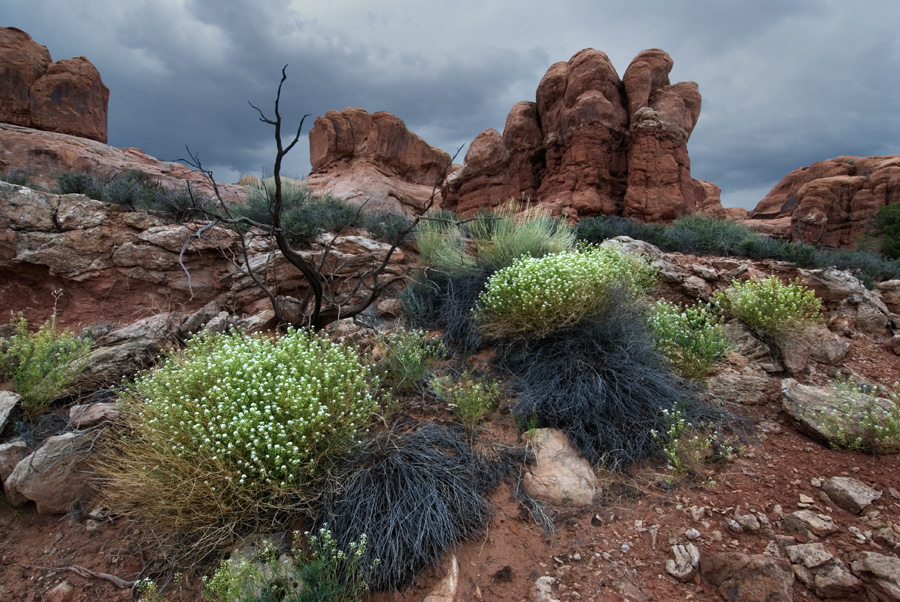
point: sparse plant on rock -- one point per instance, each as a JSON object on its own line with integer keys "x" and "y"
{"x": 691, "y": 338}
{"x": 325, "y": 573}
{"x": 43, "y": 363}
{"x": 685, "y": 445}
{"x": 872, "y": 413}
{"x": 233, "y": 432}
{"x": 770, "y": 308}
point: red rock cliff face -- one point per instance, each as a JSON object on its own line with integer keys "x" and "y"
{"x": 67, "y": 97}
{"x": 831, "y": 202}
{"x": 593, "y": 144}
{"x": 372, "y": 158}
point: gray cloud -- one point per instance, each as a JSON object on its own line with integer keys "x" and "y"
{"x": 784, "y": 83}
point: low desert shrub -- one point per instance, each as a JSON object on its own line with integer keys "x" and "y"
{"x": 691, "y": 338}
{"x": 887, "y": 222}
{"x": 602, "y": 382}
{"x": 41, "y": 364}
{"x": 594, "y": 230}
{"x": 406, "y": 357}
{"x": 16, "y": 176}
{"x": 686, "y": 446}
{"x": 417, "y": 493}
{"x": 80, "y": 183}
{"x": 304, "y": 216}
{"x": 768, "y": 307}
{"x": 443, "y": 245}
{"x": 232, "y": 432}
{"x": 325, "y": 573}
{"x": 473, "y": 400}
{"x": 387, "y": 226}
{"x": 535, "y": 296}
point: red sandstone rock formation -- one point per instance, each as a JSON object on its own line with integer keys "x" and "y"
{"x": 67, "y": 97}
{"x": 831, "y": 202}
{"x": 362, "y": 157}
{"x": 592, "y": 144}
{"x": 44, "y": 155}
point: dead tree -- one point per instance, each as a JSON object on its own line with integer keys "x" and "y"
{"x": 329, "y": 297}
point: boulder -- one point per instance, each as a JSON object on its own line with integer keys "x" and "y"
{"x": 821, "y": 572}
{"x": 445, "y": 590}
{"x": 10, "y": 455}
{"x": 757, "y": 578}
{"x": 592, "y": 144}
{"x": 808, "y": 525}
{"x": 84, "y": 416}
{"x": 850, "y": 494}
{"x": 889, "y": 291}
{"x": 879, "y": 574}
{"x": 55, "y": 476}
{"x": 825, "y": 415}
{"x": 68, "y": 96}
{"x": 831, "y": 202}
{"x": 373, "y": 158}
{"x": 8, "y": 401}
{"x": 559, "y": 475}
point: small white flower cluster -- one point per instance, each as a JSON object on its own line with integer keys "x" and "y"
{"x": 691, "y": 338}
{"x": 770, "y": 307}
{"x": 264, "y": 411}
{"x": 537, "y": 295}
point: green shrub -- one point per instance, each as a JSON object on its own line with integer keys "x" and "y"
{"x": 887, "y": 221}
{"x": 444, "y": 246}
{"x": 490, "y": 241}
{"x": 42, "y": 364}
{"x": 386, "y": 226}
{"x": 768, "y": 307}
{"x": 303, "y": 216}
{"x": 17, "y": 177}
{"x": 80, "y": 183}
{"x": 406, "y": 358}
{"x": 325, "y": 574}
{"x": 595, "y": 230}
{"x": 686, "y": 446}
{"x": 473, "y": 400}
{"x": 535, "y": 296}
{"x": 502, "y": 237}
{"x": 691, "y": 338}
{"x": 233, "y": 431}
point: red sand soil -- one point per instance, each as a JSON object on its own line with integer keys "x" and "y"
{"x": 596, "y": 553}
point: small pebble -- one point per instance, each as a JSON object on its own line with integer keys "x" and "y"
{"x": 692, "y": 534}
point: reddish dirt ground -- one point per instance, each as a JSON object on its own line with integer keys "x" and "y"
{"x": 605, "y": 552}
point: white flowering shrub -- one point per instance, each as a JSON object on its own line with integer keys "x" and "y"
{"x": 768, "y": 307}
{"x": 535, "y": 296}
{"x": 268, "y": 410}
{"x": 691, "y": 338}
{"x": 232, "y": 430}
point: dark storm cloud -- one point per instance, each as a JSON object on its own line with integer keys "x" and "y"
{"x": 783, "y": 83}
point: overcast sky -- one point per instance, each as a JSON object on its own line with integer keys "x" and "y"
{"x": 784, "y": 82}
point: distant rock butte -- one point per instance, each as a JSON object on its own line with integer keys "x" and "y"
{"x": 66, "y": 97}
{"x": 831, "y": 202}
{"x": 593, "y": 144}
{"x": 373, "y": 158}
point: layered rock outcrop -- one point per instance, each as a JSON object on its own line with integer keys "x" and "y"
{"x": 831, "y": 202}
{"x": 591, "y": 144}
{"x": 67, "y": 96}
{"x": 372, "y": 158}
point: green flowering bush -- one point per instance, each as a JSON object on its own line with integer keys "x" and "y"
{"x": 768, "y": 307}
{"x": 42, "y": 364}
{"x": 233, "y": 430}
{"x": 535, "y": 296}
{"x": 406, "y": 357}
{"x": 691, "y": 338}
{"x": 473, "y": 400}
